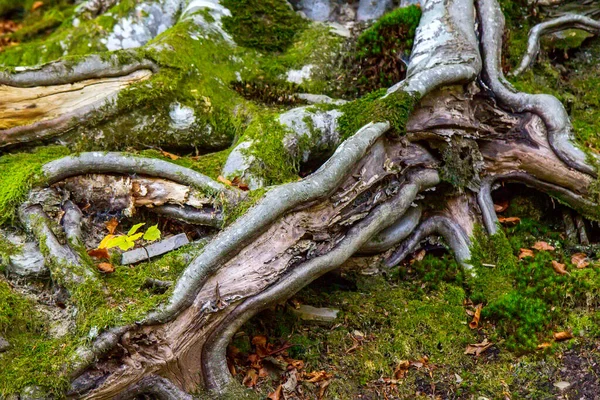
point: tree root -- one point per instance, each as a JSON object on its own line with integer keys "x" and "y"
{"x": 64, "y": 72}
{"x": 486, "y": 206}
{"x": 453, "y": 234}
{"x": 160, "y": 388}
{"x": 549, "y": 108}
{"x": 216, "y": 373}
{"x": 190, "y": 215}
{"x": 569, "y": 21}
{"x": 391, "y": 236}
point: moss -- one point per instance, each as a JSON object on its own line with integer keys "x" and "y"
{"x": 18, "y": 173}
{"x": 233, "y": 211}
{"x": 395, "y": 108}
{"x": 266, "y": 25}
{"x": 461, "y": 164}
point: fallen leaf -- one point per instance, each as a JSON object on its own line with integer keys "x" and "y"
{"x": 401, "y": 369}
{"x": 509, "y": 220}
{"x": 564, "y": 335}
{"x": 544, "y": 345}
{"x": 580, "y": 260}
{"x": 169, "y": 155}
{"x": 276, "y": 395}
{"x": 99, "y": 253}
{"x": 251, "y": 378}
{"x": 543, "y": 246}
{"x": 111, "y": 225}
{"x": 558, "y": 267}
{"x": 478, "y": 348}
{"x": 501, "y": 207}
{"x": 475, "y": 322}
{"x": 37, "y": 5}
{"x": 237, "y": 182}
{"x": 224, "y": 180}
{"x": 318, "y": 376}
{"x": 107, "y": 268}
{"x": 525, "y": 253}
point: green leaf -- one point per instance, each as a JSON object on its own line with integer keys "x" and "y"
{"x": 135, "y": 228}
{"x": 127, "y": 244}
{"x": 135, "y": 237}
{"x": 152, "y": 234}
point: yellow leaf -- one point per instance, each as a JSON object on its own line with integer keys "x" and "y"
{"x": 104, "y": 243}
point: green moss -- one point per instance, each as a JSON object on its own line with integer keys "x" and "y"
{"x": 18, "y": 173}
{"x": 395, "y": 108}
{"x": 233, "y": 211}
{"x": 267, "y": 25}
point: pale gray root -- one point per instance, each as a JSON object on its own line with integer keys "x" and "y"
{"x": 123, "y": 163}
{"x": 65, "y": 265}
{"x": 96, "y": 7}
{"x": 89, "y": 353}
{"x": 63, "y": 72}
{"x": 214, "y": 365}
{"x": 486, "y": 206}
{"x": 158, "y": 387}
{"x": 190, "y": 215}
{"x": 548, "y": 108}
{"x": 581, "y": 230}
{"x": 569, "y": 21}
{"x": 71, "y": 222}
{"x": 394, "y": 234}
{"x": 454, "y": 236}
{"x": 275, "y": 203}
{"x": 445, "y": 49}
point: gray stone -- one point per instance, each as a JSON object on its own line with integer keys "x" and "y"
{"x": 155, "y": 249}
{"x": 317, "y": 315}
{"x": 405, "y": 3}
{"x": 4, "y": 345}
{"x": 317, "y": 10}
{"x": 33, "y": 393}
{"x": 372, "y": 9}
{"x": 238, "y": 164}
{"x": 29, "y": 263}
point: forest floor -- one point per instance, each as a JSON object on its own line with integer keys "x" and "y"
{"x": 404, "y": 334}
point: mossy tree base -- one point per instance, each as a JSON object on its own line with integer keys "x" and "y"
{"x": 439, "y": 139}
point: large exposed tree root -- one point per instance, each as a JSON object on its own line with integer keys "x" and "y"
{"x": 373, "y": 195}
{"x": 569, "y": 21}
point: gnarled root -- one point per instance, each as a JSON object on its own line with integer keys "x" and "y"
{"x": 569, "y": 21}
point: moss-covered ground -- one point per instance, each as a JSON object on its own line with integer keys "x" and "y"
{"x": 420, "y": 311}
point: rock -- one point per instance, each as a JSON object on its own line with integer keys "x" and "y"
{"x": 238, "y": 164}
{"x": 4, "y": 345}
{"x": 372, "y": 9}
{"x": 323, "y": 122}
{"x": 182, "y": 117}
{"x": 317, "y": 10}
{"x": 562, "y": 385}
{"x": 320, "y": 99}
{"x": 155, "y": 249}
{"x": 29, "y": 263}
{"x": 406, "y": 3}
{"x": 33, "y": 393}
{"x": 314, "y": 314}
{"x": 298, "y": 76}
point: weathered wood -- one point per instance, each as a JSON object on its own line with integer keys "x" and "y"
{"x": 154, "y": 249}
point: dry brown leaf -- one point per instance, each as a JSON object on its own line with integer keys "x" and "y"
{"x": 251, "y": 378}
{"x": 558, "y": 267}
{"x": 564, "y": 335}
{"x": 478, "y": 348}
{"x": 501, "y": 207}
{"x": 99, "y": 253}
{"x": 401, "y": 369}
{"x": 37, "y": 5}
{"x": 294, "y": 364}
{"x": 169, "y": 155}
{"x": 525, "y": 253}
{"x": 237, "y": 182}
{"x": 509, "y": 220}
{"x": 542, "y": 246}
{"x": 475, "y": 322}
{"x": 580, "y": 260}
{"x": 107, "y": 268}
{"x": 317, "y": 376}
{"x": 544, "y": 345}
{"x": 277, "y": 394}
{"x": 111, "y": 225}
{"x": 323, "y": 389}
{"x": 224, "y": 180}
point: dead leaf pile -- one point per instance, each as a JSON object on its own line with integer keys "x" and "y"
{"x": 270, "y": 362}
